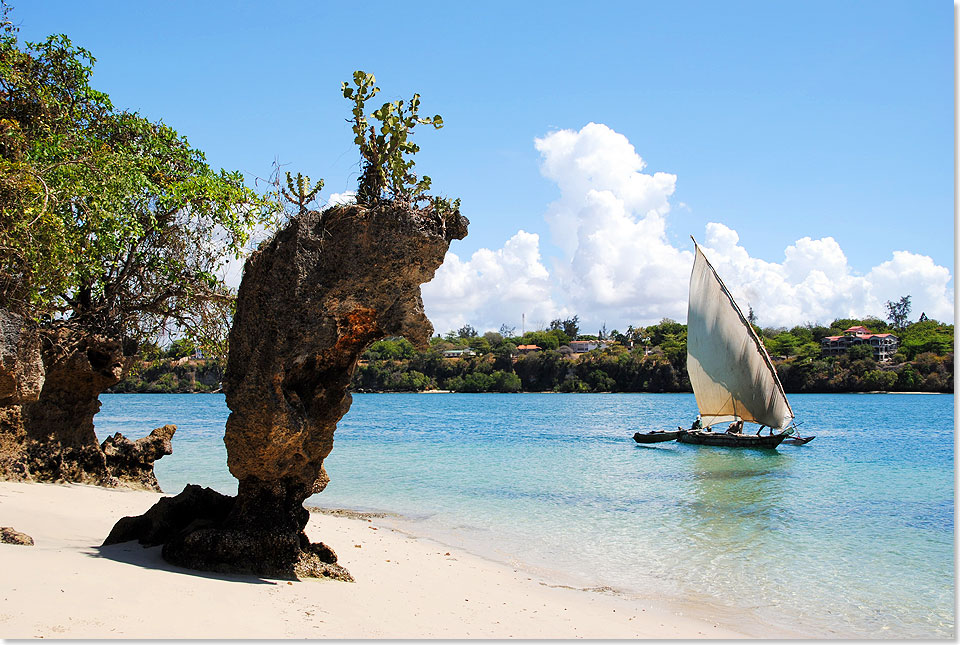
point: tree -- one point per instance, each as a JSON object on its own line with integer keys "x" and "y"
{"x": 569, "y": 326}
{"x": 898, "y": 312}
{"x": 109, "y": 221}
{"x": 860, "y": 352}
{"x": 926, "y": 336}
{"x": 181, "y": 348}
{"x": 506, "y": 331}
{"x": 467, "y": 331}
{"x": 112, "y": 230}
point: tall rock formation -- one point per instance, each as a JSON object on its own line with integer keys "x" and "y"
{"x": 311, "y": 300}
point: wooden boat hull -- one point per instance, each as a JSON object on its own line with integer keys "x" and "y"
{"x": 731, "y": 440}
{"x": 799, "y": 441}
{"x": 657, "y": 436}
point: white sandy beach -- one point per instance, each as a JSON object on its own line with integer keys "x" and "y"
{"x": 67, "y": 587}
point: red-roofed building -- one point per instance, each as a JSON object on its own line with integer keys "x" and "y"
{"x": 884, "y": 345}
{"x": 526, "y": 349}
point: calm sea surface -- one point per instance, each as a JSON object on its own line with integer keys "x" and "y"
{"x": 850, "y": 535}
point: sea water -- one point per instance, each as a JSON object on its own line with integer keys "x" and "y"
{"x": 851, "y": 535}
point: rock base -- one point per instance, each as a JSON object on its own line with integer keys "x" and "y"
{"x": 198, "y": 530}
{"x": 116, "y": 463}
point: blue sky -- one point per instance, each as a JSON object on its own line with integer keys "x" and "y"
{"x": 810, "y": 145}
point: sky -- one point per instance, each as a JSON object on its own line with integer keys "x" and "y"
{"x": 808, "y": 147}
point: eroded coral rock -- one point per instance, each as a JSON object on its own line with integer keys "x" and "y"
{"x": 21, "y": 379}
{"x": 21, "y": 366}
{"x": 195, "y": 505}
{"x": 79, "y": 366}
{"x": 50, "y": 382}
{"x": 311, "y": 300}
{"x": 130, "y": 463}
{"x": 10, "y": 536}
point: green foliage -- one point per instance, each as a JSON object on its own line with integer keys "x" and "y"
{"x": 858, "y": 352}
{"x": 880, "y": 380}
{"x": 927, "y": 336}
{"x": 480, "y": 344}
{"x": 106, "y": 218}
{"x": 544, "y": 339}
{"x": 663, "y": 369}
{"x": 397, "y": 348}
{"x": 300, "y": 192}
{"x": 898, "y": 312}
{"x": 666, "y": 327}
{"x": 818, "y": 332}
{"x": 569, "y": 326}
{"x": 572, "y": 384}
{"x": 385, "y": 147}
{"x": 181, "y": 348}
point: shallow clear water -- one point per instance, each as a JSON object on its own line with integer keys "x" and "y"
{"x": 850, "y": 535}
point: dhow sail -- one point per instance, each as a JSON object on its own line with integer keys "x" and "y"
{"x": 732, "y": 376}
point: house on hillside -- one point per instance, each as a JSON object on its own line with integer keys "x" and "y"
{"x": 884, "y": 345}
{"x": 526, "y": 349}
{"x": 581, "y": 346}
{"x": 458, "y": 353}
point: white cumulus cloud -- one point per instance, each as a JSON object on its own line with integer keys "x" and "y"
{"x": 611, "y": 222}
{"x": 815, "y": 283}
{"x": 491, "y": 288}
{"x": 339, "y": 199}
{"x": 616, "y": 263}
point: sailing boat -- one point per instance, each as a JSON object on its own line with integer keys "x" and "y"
{"x": 731, "y": 373}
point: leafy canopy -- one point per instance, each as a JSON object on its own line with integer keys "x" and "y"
{"x": 108, "y": 221}
{"x": 898, "y": 312}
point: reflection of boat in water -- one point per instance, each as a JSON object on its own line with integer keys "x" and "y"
{"x": 731, "y": 373}
{"x": 656, "y": 436}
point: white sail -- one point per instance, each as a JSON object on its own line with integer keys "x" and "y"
{"x": 731, "y": 374}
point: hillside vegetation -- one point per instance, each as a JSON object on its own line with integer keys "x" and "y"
{"x": 642, "y": 359}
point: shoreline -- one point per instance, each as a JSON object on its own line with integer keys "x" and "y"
{"x": 407, "y": 586}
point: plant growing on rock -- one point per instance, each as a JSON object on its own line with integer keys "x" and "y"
{"x": 386, "y": 146}
{"x": 313, "y": 298}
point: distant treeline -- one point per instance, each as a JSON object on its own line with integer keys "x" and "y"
{"x": 178, "y": 369}
{"x": 653, "y": 359}
{"x": 642, "y": 359}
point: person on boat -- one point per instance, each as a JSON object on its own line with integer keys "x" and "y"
{"x": 736, "y": 427}
{"x": 760, "y": 430}
{"x": 697, "y": 424}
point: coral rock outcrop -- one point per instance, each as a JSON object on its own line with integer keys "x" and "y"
{"x": 21, "y": 379}
{"x": 50, "y": 382}
{"x": 130, "y": 463}
{"x": 10, "y": 536}
{"x": 310, "y": 302}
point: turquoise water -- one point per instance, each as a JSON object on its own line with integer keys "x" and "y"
{"x": 851, "y": 535}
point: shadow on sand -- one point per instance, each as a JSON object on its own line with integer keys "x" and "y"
{"x": 149, "y": 558}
